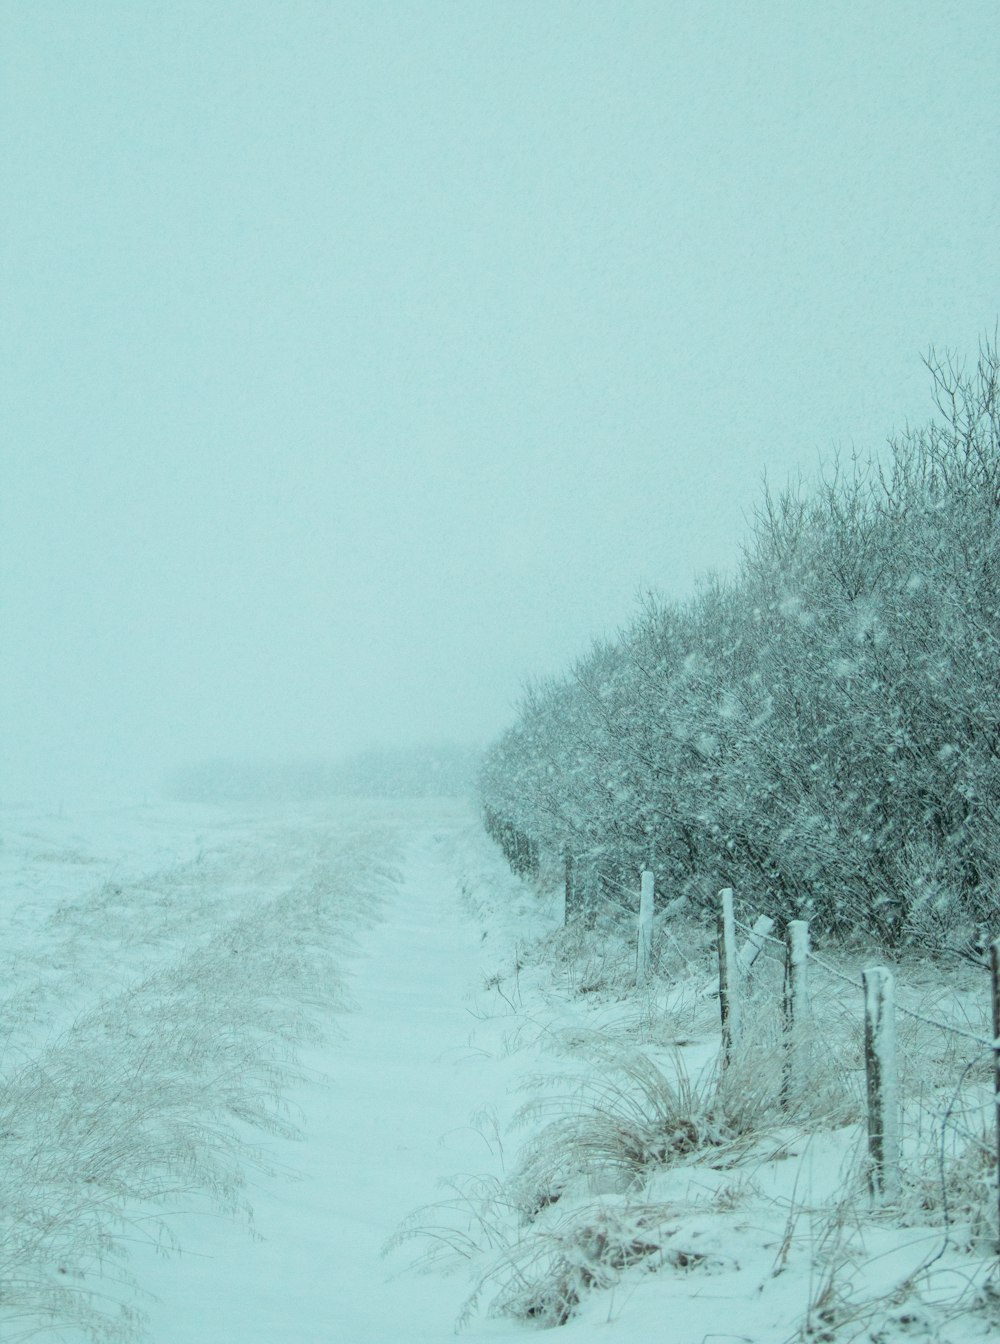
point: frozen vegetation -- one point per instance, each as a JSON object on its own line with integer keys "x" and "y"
{"x": 358, "y": 1035}
{"x": 152, "y": 1019}
{"x": 823, "y": 727}
{"x": 387, "y": 1045}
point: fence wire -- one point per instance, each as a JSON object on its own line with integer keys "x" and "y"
{"x": 858, "y": 984}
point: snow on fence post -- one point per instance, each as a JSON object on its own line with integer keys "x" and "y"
{"x": 754, "y": 944}
{"x": 644, "y": 948}
{"x": 880, "y": 1068}
{"x": 995, "y": 982}
{"x": 796, "y": 1006}
{"x": 729, "y": 1003}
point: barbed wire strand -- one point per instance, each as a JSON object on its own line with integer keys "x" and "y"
{"x": 858, "y": 984}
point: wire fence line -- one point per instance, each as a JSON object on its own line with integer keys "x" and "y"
{"x": 625, "y": 913}
{"x": 876, "y": 983}
{"x": 880, "y": 1008}
{"x": 857, "y": 983}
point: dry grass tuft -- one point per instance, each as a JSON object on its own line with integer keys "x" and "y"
{"x": 150, "y": 1101}
{"x": 610, "y": 1123}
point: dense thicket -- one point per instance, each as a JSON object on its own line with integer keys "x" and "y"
{"x": 822, "y": 731}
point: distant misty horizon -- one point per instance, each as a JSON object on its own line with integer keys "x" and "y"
{"x": 362, "y": 361}
{"x": 431, "y": 769}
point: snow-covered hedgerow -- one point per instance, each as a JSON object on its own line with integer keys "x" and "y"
{"x": 822, "y": 727}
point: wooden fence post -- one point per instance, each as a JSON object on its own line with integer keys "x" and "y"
{"x": 880, "y": 1068}
{"x": 995, "y": 981}
{"x": 729, "y": 1001}
{"x": 796, "y": 1005}
{"x": 644, "y": 949}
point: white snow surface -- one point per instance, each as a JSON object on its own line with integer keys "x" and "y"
{"x": 445, "y": 1017}
{"x": 389, "y": 1119}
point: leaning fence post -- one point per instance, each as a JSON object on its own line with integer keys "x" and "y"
{"x": 729, "y": 1003}
{"x": 644, "y": 949}
{"x": 995, "y": 981}
{"x": 880, "y": 1068}
{"x": 754, "y": 944}
{"x": 796, "y": 1004}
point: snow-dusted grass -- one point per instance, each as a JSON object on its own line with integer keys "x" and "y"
{"x": 152, "y": 1099}
{"x": 158, "y": 1065}
{"x": 635, "y": 1164}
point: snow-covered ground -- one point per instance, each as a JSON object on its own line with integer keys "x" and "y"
{"x": 332, "y": 1017}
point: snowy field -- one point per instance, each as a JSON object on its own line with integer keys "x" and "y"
{"x": 310, "y": 1074}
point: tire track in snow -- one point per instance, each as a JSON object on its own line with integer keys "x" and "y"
{"x": 390, "y": 1120}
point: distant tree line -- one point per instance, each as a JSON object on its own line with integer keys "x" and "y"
{"x": 821, "y": 731}
{"x": 431, "y": 769}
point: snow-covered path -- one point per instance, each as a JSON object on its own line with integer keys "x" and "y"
{"x": 392, "y": 1119}
{"x": 454, "y": 1011}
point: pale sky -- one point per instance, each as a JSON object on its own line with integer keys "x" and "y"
{"x": 360, "y": 360}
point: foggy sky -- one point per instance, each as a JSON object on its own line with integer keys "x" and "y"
{"x": 361, "y": 359}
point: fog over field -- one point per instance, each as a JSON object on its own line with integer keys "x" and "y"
{"x": 361, "y": 359}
